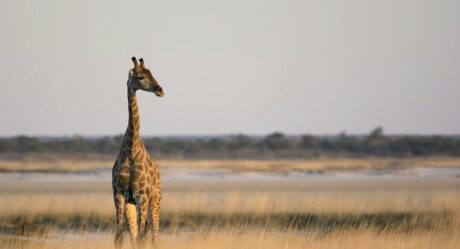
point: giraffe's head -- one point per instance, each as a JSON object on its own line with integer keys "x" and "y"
{"x": 141, "y": 78}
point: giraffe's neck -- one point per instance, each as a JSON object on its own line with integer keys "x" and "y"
{"x": 132, "y": 139}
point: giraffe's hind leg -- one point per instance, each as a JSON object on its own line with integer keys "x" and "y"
{"x": 154, "y": 209}
{"x": 119, "y": 206}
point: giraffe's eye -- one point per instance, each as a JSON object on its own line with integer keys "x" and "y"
{"x": 140, "y": 77}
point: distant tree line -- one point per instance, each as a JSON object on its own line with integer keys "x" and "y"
{"x": 275, "y": 145}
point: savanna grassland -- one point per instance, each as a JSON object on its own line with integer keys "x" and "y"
{"x": 320, "y": 203}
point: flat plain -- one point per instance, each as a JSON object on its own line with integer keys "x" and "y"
{"x": 321, "y": 203}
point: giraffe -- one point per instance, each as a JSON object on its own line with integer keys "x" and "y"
{"x": 135, "y": 175}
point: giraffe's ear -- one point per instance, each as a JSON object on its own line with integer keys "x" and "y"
{"x": 131, "y": 73}
{"x": 136, "y": 65}
{"x": 142, "y": 63}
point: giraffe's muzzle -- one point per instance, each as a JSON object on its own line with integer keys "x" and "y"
{"x": 158, "y": 91}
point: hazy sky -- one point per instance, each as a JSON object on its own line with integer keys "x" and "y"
{"x": 231, "y": 66}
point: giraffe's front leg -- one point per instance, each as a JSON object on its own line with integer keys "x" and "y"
{"x": 119, "y": 206}
{"x": 141, "y": 207}
{"x": 155, "y": 203}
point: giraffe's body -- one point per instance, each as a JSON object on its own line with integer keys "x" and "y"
{"x": 135, "y": 176}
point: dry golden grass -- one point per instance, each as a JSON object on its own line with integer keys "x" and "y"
{"x": 341, "y": 239}
{"x": 322, "y": 164}
{"x": 222, "y": 219}
{"x": 58, "y": 163}
{"x": 229, "y": 203}
{"x": 357, "y": 213}
{"x": 226, "y": 198}
{"x": 53, "y": 163}
{"x": 245, "y": 238}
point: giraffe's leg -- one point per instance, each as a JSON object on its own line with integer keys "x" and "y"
{"x": 141, "y": 206}
{"x": 131, "y": 217}
{"x": 154, "y": 208}
{"x": 119, "y": 205}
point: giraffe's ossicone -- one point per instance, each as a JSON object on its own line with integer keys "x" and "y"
{"x": 135, "y": 175}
